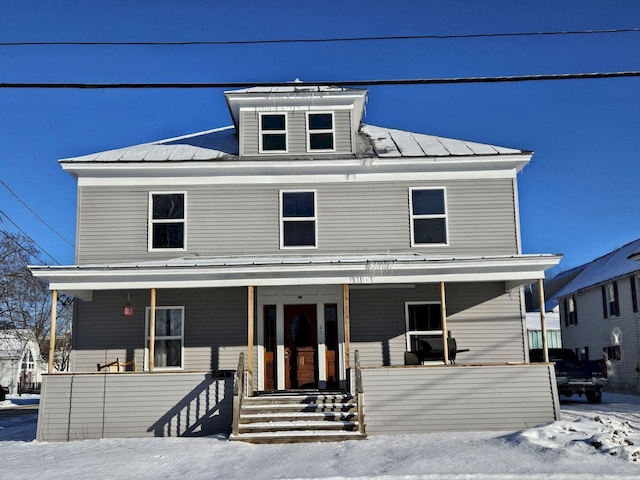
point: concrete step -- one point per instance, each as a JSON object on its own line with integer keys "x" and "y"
{"x": 298, "y": 416}
{"x": 298, "y": 436}
{"x": 297, "y": 425}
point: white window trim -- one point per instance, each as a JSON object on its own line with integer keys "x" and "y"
{"x": 151, "y": 222}
{"x": 273, "y": 132}
{"x": 174, "y": 337}
{"x": 417, "y": 332}
{"x": 331, "y": 130}
{"x": 413, "y": 217}
{"x": 299, "y": 219}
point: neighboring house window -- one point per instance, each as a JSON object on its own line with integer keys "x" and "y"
{"x": 634, "y": 281}
{"x": 570, "y": 311}
{"x": 273, "y": 132}
{"x": 422, "y": 318}
{"x": 167, "y": 221}
{"x": 610, "y": 300}
{"x": 298, "y": 219}
{"x": 428, "y": 216}
{"x": 582, "y": 353}
{"x": 169, "y": 337}
{"x": 320, "y": 132}
{"x": 612, "y": 352}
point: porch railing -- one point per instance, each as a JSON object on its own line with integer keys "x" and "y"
{"x": 238, "y": 393}
{"x": 359, "y": 391}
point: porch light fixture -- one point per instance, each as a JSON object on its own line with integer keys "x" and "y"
{"x": 128, "y": 308}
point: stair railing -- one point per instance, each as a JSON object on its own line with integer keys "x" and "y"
{"x": 359, "y": 391}
{"x": 238, "y": 393}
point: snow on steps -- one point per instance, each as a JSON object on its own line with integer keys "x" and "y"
{"x": 304, "y": 417}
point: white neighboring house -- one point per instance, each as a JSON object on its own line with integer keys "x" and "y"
{"x": 21, "y": 364}
{"x": 552, "y": 320}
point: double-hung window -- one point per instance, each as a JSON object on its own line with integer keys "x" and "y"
{"x": 167, "y": 221}
{"x": 428, "y": 214}
{"x": 320, "y": 132}
{"x": 169, "y": 337}
{"x": 422, "y": 319}
{"x": 610, "y": 300}
{"x": 298, "y": 219}
{"x": 570, "y": 311}
{"x": 273, "y": 132}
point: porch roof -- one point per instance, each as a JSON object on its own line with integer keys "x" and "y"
{"x": 200, "y": 272}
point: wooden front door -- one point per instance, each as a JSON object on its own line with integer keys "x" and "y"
{"x": 300, "y": 346}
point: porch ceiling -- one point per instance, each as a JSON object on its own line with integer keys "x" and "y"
{"x": 196, "y": 272}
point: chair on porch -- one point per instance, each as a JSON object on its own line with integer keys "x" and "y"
{"x": 118, "y": 366}
{"x": 431, "y": 348}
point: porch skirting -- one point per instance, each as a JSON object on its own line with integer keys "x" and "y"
{"x": 94, "y": 405}
{"x": 399, "y": 400}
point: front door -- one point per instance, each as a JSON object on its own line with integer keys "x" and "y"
{"x": 300, "y": 346}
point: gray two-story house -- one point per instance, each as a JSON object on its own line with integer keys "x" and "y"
{"x": 302, "y": 252}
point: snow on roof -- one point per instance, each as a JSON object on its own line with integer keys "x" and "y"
{"x": 608, "y": 267}
{"x": 222, "y": 144}
{"x": 294, "y": 88}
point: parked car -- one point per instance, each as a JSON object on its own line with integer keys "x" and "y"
{"x": 575, "y": 376}
{"x": 4, "y": 391}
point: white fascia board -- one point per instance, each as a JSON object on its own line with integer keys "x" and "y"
{"x": 508, "y": 270}
{"x": 277, "y": 171}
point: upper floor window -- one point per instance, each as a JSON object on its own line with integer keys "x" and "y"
{"x": 423, "y": 319}
{"x": 610, "y": 300}
{"x": 634, "y": 280}
{"x": 570, "y": 310}
{"x": 428, "y": 216}
{"x": 320, "y": 132}
{"x": 298, "y": 219}
{"x": 273, "y": 132}
{"x": 167, "y": 221}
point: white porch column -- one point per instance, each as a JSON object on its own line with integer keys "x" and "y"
{"x": 543, "y": 324}
{"x": 347, "y": 326}
{"x": 443, "y": 314}
{"x": 52, "y": 329}
{"x": 152, "y": 330}
{"x": 250, "y": 335}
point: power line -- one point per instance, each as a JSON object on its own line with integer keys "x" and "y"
{"x": 35, "y": 185}
{"x": 329, "y": 40}
{"x": 35, "y": 214}
{"x": 339, "y": 83}
{"x": 26, "y": 235}
{"x": 19, "y": 245}
{"x": 36, "y": 102}
{"x": 26, "y": 146}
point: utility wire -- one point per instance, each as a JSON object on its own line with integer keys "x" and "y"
{"x": 36, "y": 102}
{"x": 27, "y": 235}
{"x": 26, "y": 146}
{"x": 35, "y": 185}
{"x": 19, "y": 245}
{"x": 333, "y": 39}
{"x": 35, "y": 214}
{"x": 340, "y": 83}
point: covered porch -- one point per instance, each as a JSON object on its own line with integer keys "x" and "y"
{"x": 332, "y": 305}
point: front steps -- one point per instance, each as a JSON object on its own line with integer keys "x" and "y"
{"x": 299, "y": 417}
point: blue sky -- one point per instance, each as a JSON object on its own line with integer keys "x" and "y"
{"x": 579, "y": 196}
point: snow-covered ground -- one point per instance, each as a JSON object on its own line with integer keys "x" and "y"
{"x": 591, "y": 441}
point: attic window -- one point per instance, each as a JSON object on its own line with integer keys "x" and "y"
{"x": 320, "y": 132}
{"x": 273, "y": 132}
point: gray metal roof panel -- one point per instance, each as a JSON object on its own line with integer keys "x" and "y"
{"x": 222, "y": 143}
{"x": 608, "y": 267}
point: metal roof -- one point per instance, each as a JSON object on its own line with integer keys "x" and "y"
{"x": 222, "y": 144}
{"x": 608, "y": 267}
{"x": 297, "y": 87}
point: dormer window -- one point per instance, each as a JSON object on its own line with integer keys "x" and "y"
{"x": 273, "y": 132}
{"x": 320, "y": 132}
